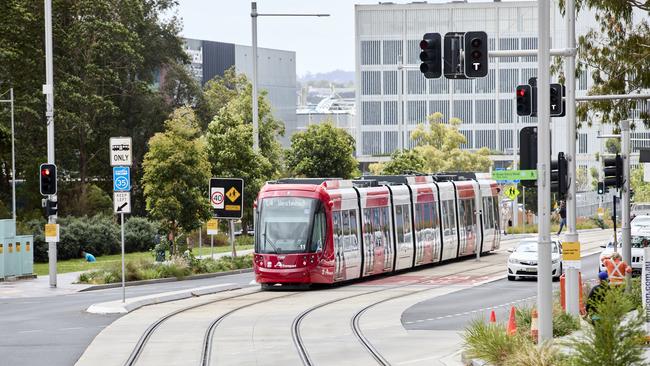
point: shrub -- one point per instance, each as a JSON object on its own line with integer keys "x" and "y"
{"x": 616, "y": 337}
{"x": 528, "y": 354}
{"x": 139, "y": 234}
{"x": 489, "y": 342}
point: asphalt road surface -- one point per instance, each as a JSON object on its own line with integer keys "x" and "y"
{"x": 456, "y": 310}
{"x": 55, "y": 330}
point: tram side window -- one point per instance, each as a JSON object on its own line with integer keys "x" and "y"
{"x": 367, "y": 228}
{"x": 450, "y": 216}
{"x": 385, "y": 225}
{"x": 376, "y": 226}
{"x": 336, "y": 221}
{"x": 354, "y": 241}
{"x": 318, "y": 233}
{"x": 407, "y": 223}
{"x": 399, "y": 224}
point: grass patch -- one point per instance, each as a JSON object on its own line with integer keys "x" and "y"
{"x": 77, "y": 265}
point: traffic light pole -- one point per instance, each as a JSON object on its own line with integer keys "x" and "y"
{"x": 625, "y": 198}
{"x": 544, "y": 284}
{"x": 571, "y": 235}
{"x": 48, "y": 90}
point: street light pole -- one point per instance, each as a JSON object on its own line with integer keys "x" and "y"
{"x": 625, "y": 198}
{"x": 571, "y": 235}
{"x": 48, "y": 90}
{"x": 544, "y": 285}
{"x": 254, "y": 16}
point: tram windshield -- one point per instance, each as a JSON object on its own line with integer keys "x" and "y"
{"x": 285, "y": 225}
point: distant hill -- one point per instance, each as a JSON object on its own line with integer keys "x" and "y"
{"x": 336, "y": 76}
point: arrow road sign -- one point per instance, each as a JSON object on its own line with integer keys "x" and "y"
{"x": 121, "y": 179}
{"x": 122, "y": 202}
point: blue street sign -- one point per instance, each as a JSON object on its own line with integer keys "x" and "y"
{"x": 121, "y": 179}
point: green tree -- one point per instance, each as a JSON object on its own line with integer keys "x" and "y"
{"x": 106, "y": 56}
{"x": 640, "y": 187}
{"x": 582, "y": 179}
{"x": 613, "y": 146}
{"x": 440, "y": 146}
{"x": 176, "y": 175}
{"x": 615, "y": 52}
{"x": 230, "y": 138}
{"x": 594, "y": 177}
{"x": 323, "y": 150}
{"x": 400, "y": 163}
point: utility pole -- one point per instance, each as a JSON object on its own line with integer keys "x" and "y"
{"x": 571, "y": 235}
{"x": 48, "y": 90}
{"x": 544, "y": 285}
{"x": 625, "y": 198}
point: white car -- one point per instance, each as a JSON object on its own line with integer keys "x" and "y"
{"x": 638, "y": 243}
{"x": 522, "y": 261}
{"x": 640, "y": 225}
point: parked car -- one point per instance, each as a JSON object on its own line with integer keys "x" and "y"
{"x": 640, "y": 208}
{"x": 523, "y": 259}
{"x": 640, "y": 223}
{"x": 638, "y": 243}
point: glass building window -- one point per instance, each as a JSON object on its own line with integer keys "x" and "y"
{"x": 413, "y": 49}
{"x": 371, "y": 143}
{"x": 486, "y": 84}
{"x": 390, "y": 82}
{"x": 371, "y": 83}
{"x": 391, "y": 113}
{"x": 529, "y": 43}
{"x": 390, "y": 141}
{"x": 370, "y": 52}
{"x": 417, "y": 112}
{"x": 416, "y": 82}
{"x": 582, "y": 143}
{"x": 508, "y": 80}
{"x": 441, "y": 106}
{"x": 527, "y": 74}
{"x": 463, "y": 86}
{"x": 505, "y": 111}
{"x": 486, "y": 111}
{"x": 505, "y": 140}
{"x": 582, "y": 80}
{"x": 469, "y": 139}
{"x": 439, "y": 86}
{"x": 370, "y": 113}
{"x": 486, "y": 138}
{"x": 509, "y": 44}
{"x": 463, "y": 110}
{"x": 392, "y": 51}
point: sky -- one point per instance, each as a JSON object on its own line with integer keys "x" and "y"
{"x": 321, "y": 44}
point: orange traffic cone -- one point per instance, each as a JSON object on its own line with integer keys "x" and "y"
{"x": 493, "y": 317}
{"x": 512, "y": 323}
{"x": 534, "y": 327}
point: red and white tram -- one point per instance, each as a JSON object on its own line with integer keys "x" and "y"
{"x": 326, "y": 231}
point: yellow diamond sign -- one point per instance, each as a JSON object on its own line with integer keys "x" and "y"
{"x": 233, "y": 194}
{"x": 512, "y": 192}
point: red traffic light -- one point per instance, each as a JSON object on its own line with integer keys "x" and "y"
{"x": 425, "y": 43}
{"x": 45, "y": 172}
{"x": 521, "y": 92}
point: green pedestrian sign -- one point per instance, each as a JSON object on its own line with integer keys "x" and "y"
{"x": 514, "y": 175}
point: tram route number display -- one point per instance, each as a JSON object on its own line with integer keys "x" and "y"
{"x": 227, "y": 197}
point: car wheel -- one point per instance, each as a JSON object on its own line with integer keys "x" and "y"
{"x": 511, "y": 278}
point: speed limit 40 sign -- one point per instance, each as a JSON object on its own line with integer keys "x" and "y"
{"x": 216, "y": 197}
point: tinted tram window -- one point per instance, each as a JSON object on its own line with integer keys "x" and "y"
{"x": 399, "y": 224}
{"x": 385, "y": 225}
{"x": 336, "y": 221}
{"x": 407, "y": 222}
{"x": 318, "y": 232}
{"x": 353, "y": 230}
{"x": 284, "y": 224}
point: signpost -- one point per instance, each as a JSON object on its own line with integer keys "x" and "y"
{"x": 121, "y": 160}
{"x": 227, "y": 199}
{"x": 571, "y": 254}
{"x": 213, "y": 229}
{"x": 512, "y": 175}
{"x": 512, "y": 192}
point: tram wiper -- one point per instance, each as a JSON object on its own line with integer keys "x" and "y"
{"x": 267, "y": 240}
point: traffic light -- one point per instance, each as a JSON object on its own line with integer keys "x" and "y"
{"x": 51, "y": 207}
{"x": 48, "y": 179}
{"x": 431, "y": 56}
{"x": 524, "y": 100}
{"x": 476, "y": 54}
{"x": 560, "y": 175}
{"x": 452, "y": 46}
{"x": 613, "y": 171}
{"x": 601, "y": 188}
{"x": 556, "y": 100}
{"x": 528, "y": 152}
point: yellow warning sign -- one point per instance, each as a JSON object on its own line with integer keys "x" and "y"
{"x": 233, "y": 207}
{"x": 571, "y": 251}
{"x": 512, "y": 192}
{"x": 601, "y": 211}
{"x": 51, "y": 233}
{"x": 213, "y": 227}
{"x": 232, "y": 195}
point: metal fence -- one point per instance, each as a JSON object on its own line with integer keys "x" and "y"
{"x": 587, "y": 204}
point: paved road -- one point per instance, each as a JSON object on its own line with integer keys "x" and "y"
{"x": 454, "y": 311}
{"x": 55, "y": 330}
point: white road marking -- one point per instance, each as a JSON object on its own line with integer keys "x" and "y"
{"x": 73, "y": 328}
{"x": 31, "y": 331}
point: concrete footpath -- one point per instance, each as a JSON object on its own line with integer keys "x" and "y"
{"x": 67, "y": 283}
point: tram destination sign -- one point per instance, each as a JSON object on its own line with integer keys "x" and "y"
{"x": 514, "y": 175}
{"x": 227, "y": 197}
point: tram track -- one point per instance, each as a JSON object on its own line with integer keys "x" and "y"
{"x": 297, "y": 322}
{"x": 144, "y": 338}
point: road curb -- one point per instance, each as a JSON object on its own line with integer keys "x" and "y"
{"x": 167, "y": 279}
{"x": 119, "y": 307}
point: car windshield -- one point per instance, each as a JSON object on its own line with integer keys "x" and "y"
{"x": 640, "y": 241}
{"x": 284, "y": 225}
{"x": 641, "y": 207}
{"x": 641, "y": 221}
{"x": 529, "y": 247}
